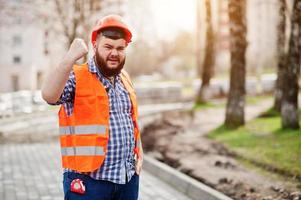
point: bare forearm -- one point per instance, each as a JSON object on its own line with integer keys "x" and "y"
{"x": 55, "y": 81}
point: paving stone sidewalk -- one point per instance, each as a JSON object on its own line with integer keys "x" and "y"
{"x": 33, "y": 172}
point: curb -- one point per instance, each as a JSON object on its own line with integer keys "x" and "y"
{"x": 181, "y": 182}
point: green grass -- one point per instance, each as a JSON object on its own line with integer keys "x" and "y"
{"x": 270, "y": 113}
{"x": 257, "y": 98}
{"x": 209, "y": 104}
{"x": 264, "y": 141}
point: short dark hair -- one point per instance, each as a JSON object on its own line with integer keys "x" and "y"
{"x": 113, "y": 33}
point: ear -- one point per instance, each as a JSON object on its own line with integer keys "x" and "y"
{"x": 94, "y": 46}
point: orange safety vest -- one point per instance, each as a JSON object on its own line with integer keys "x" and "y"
{"x": 84, "y": 135}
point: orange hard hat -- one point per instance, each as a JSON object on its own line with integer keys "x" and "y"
{"x": 111, "y": 21}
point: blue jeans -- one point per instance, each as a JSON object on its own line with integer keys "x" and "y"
{"x": 101, "y": 190}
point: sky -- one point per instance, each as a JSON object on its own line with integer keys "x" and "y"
{"x": 170, "y": 16}
{"x": 163, "y": 18}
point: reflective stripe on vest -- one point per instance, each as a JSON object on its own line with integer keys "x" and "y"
{"x": 82, "y": 129}
{"x": 82, "y": 151}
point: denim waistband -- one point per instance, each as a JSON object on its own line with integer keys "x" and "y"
{"x": 75, "y": 175}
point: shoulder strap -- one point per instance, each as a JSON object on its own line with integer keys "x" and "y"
{"x": 126, "y": 76}
{"x": 83, "y": 80}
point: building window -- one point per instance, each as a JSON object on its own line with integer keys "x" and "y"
{"x": 17, "y": 59}
{"x": 17, "y": 40}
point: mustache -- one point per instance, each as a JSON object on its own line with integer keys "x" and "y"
{"x": 113, "y": 59}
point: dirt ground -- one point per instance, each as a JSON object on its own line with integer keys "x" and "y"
{"x": 179, "y": 139}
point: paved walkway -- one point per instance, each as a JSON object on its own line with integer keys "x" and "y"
{"x": 33, "y": 171}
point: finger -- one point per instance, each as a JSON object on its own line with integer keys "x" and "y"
{"x": 137, "y": 171}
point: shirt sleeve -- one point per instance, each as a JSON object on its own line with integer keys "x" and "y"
{"x": 67, "y": 97}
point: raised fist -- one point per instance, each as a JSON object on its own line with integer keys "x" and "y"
{"x": 77, "y": 49}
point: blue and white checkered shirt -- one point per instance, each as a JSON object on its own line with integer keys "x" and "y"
{"x": 119, "y": 163}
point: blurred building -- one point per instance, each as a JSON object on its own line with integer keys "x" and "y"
{"x": 23, "y": 54}
{"x": 22, "y": 58}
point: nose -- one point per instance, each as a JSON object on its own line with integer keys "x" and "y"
{"x": 114, "y": 52}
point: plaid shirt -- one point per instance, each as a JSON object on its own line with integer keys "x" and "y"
{"x": 119, "y": 163}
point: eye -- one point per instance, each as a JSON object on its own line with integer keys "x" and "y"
{"x": 107, "y": 47}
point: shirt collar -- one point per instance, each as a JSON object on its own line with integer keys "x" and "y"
{"x": 92, "y": 66}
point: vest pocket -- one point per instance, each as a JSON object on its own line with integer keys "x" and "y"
{"x": 84, "y": 107}
{"x": 91, "y": 107}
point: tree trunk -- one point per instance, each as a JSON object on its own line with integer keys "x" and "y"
{"x": 238, "y": 45}
{"x": 289, "y": 107}
{"x": 198, "y": 37}
{"x": 281, "y": 55}
{"x": 207, "y": 71}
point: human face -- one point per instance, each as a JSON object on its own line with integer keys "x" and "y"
{"x": 110, "y": 55}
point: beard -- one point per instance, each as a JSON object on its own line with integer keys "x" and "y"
{"x": 105, "y": 69}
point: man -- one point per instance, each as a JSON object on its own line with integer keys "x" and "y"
{"x": 99, "y": 136}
